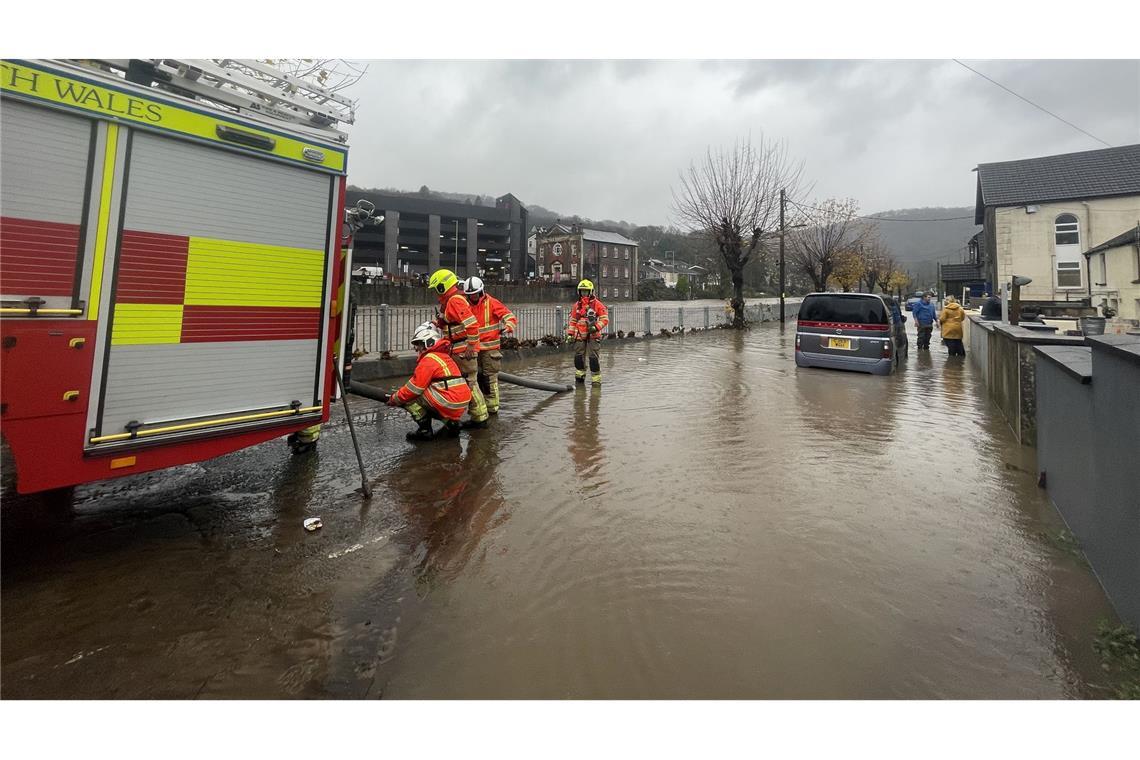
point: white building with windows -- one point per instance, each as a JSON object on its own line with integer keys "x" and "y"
{"x": 1039, "y": 216}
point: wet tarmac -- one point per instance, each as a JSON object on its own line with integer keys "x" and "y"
{"x": 711, "y": 522}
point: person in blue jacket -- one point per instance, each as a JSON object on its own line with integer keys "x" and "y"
{"x": 925, "y": 317}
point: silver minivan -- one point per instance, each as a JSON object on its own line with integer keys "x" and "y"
{"x": 855, "y": 331}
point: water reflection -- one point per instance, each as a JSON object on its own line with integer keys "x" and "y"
{"x": 584, "y": 443}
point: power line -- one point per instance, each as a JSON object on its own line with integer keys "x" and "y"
{"x": 1030, "y": 102}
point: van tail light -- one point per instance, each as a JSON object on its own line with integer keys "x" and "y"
{"x": 797, "y": 341}
{"x": 886, "y": 349}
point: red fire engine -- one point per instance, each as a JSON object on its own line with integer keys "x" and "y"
{"x": 171, "y": 268}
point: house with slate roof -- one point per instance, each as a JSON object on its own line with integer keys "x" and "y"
{"x": 1114, "y": 272}
{"x": 1039, "y": 216}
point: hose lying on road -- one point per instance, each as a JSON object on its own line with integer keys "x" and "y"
{"x": 368, "y": 391}
{"x": 538, "y": 385}
{"x": 372, "y": 392}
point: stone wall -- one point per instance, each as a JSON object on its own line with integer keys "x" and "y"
{"x": 1008, "y": 364}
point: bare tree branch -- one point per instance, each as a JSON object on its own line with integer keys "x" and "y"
{"x": 733, "y": 196}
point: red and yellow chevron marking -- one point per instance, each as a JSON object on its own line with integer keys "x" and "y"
{"x": 38, "y": 258}
{"x": 178, "y": 289}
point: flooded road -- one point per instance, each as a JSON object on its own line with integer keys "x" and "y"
{"x": 712, "y": 522}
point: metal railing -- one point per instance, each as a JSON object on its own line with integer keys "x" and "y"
{"x": 389, "y": 328}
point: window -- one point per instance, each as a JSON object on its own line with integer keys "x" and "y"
{"x": 605, "y": 251}
{"x": 851, "y": 309}
{"x": 605, "y": 292}
{"x": 573, "y": 268}
{"x": 605, "y": 271}
{"x": 558, "y": 249}
{"x": 627, "y": 259}
{"x": 1102, "y": 270}
{"x": 1067, "y": 230}
{"x": 1067, "y": 251}
{"x": 627, "y": 292}
{"x": 556, "y": 267}
{"x": 1068, "y": 274}
{"x": 540, "y": 270}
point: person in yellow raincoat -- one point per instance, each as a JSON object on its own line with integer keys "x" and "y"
{"x": 950, "y": 322}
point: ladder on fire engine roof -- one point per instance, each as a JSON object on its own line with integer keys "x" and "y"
{"x": 246, "y": 85}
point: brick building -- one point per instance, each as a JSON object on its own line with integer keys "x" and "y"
{"x": 569, "y": 253}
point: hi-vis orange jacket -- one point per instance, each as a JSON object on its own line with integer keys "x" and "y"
{"x": 492, "y": 316}
{"x": 579, "y": 325}
{"x": 438, "y": 380}
{"x": 457, "y": 322}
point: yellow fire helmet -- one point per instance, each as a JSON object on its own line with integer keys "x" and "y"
{"x": 586, "y": 285}
{"x": 442, "y": 280}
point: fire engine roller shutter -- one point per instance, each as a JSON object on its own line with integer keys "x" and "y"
{"x": 45, "y": 155}
{"x": 218, "y": 285}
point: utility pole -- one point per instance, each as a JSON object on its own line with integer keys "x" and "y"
{"x": 782, "y": 286}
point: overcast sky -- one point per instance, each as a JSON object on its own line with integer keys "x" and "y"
{"x": 606, "y": 139}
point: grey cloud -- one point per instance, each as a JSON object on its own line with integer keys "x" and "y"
{"x": 606, "y": 139}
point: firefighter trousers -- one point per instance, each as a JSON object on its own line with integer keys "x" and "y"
{"x": 490, "y": 362}
{"x": 469, "y": 368}
{"x": 581, "y": 348}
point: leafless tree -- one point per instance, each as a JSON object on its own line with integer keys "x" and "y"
{"x": 733, "y": 196}
{"x": 833, "y": 227}
{"x": 877, "y": 260}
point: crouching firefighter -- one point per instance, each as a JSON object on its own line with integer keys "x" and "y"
{"x": 436, "y": 390}
{"x": 492, "y": 317}
{"x": 461, "y": 330}
{"x": 588, "y": 319}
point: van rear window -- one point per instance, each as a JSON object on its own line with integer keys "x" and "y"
{"x": 849, "y": 309}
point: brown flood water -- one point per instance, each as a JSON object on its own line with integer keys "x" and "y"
{"x": 711, "y": 522}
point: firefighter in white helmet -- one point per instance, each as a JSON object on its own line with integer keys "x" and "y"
{"x": 492, "y": 318}
{"x": 436, "y": 389}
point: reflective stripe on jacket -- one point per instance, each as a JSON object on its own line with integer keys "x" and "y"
{"x": 579, "y": 324}
{"x": 438, "y": 380}
{"x": 457, "y": 322}
{"x": 492, "y": 316}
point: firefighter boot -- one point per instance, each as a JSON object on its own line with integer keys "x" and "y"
{"x": 596, "y": 370}
{"x": 304, "y": 440}
{"x": 450, "y": 429}
{"x": 579, "y": 368}
{"x": 423, "y": 432}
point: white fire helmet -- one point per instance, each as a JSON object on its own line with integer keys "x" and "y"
{"x": 472, "y": 286}
{"x": 426, "y": 334}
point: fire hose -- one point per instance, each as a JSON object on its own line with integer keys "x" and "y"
{"x": 372, "y": 392}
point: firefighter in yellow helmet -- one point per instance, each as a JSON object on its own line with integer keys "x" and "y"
{"x": 588, "y": 320}
{"x": 459, "y": 326}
